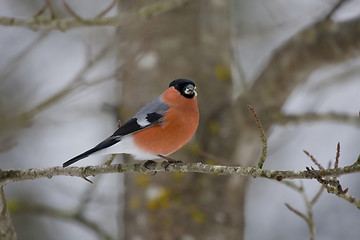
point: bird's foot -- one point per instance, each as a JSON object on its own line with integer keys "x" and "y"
{"x": 149, "y": 163}
{"x": 169, "y": 161}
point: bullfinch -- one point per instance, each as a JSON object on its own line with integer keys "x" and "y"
{"x": 160, "y": 128}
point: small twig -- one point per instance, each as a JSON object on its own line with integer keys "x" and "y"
{"x": 309, "y": 204}
{"x": 329, "y": 165}
{"x": 72, "y": 12}
{"x": 263, "y": 138}
{"x": 314, "y": 160}
{"x": 106, "y": 10}
{"x": 317, "y": 195}
{"x": 52, "y": 11}
{"x": 110, "y": 160}
{"x": 88, "y": 180}
{"x": 336, "y": 164}
{"x": 85, "y": 177}
{"x": 334, "y": 187}
{"x": 41, "y": 11}
{"x": 292, "y": 185}
{"x": 297, "y": 212}
{"x": 337, "y": 157}
{"x": 326, "y": 182}
{"x": 357, "y": 161}
{"x": 334, "y": 9}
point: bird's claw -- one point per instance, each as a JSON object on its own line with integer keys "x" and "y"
{"x": 149, "y": 163}
{"x": 169, "y": 162}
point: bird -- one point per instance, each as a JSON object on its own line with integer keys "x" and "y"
{"x": 158, "y": 129}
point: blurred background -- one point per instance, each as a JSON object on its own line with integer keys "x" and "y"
{"x": 296, "y": 62}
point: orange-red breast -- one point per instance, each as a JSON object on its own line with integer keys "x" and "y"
{"x": 160, "y": 128}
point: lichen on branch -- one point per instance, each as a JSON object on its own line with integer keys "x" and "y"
{"x": 8, "y": 176}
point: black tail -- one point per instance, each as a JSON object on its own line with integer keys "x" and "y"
{"x": 104, "y": 144}
{"x": 79, "y": 157}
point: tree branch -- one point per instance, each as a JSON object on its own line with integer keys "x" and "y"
{"x": 334, "y": 187}
{"x": 263, "y": 138}
{"x": 336, "y": 7}
{"x": 7, "y": 231}
{"x": 19, "y": 175}
{"x": 33, "y": 208}
{"x": 281, "y": 118}
{"x": 64, "y": 24}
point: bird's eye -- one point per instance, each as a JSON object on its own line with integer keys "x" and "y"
{"x": 188, "y": 91}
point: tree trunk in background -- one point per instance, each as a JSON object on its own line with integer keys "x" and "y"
{"x": 192, "y": 42}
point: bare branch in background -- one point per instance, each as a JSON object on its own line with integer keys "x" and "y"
{"x": 76, "y": 216}
{"x": 14, "y": 62}
{"x": 64, "y": 24}
{"x": 72, "y": 12}
{"x": 335, "y": 8}
{"x": 10, "y": 123}
{"x": 313, "y": 117}
{"x": 106, "y": 10}
{"x": 297, "y": 212}
{"x": 52, "y": 10}
{"x": 41, "y": 10}
{"x": 77, "y": 82}
{"x": 308, "y": 217}
{"x": 7, "y": 231}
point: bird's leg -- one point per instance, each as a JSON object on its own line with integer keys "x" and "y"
{"x": 169, "y": 161}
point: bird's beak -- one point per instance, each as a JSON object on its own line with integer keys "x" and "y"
{"x": 190, "y": 89}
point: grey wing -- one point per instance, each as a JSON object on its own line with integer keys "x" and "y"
{"x": 152, "y": 113}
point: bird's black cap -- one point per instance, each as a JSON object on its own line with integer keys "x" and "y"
{"x": 185, "y": 86}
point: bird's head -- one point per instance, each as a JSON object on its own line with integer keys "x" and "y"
{"x": 186, "y": 87}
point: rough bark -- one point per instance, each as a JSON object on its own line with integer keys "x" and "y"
{"x": 7, "y": 231}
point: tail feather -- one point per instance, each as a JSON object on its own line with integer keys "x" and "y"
{"x": 104, "y": 144}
